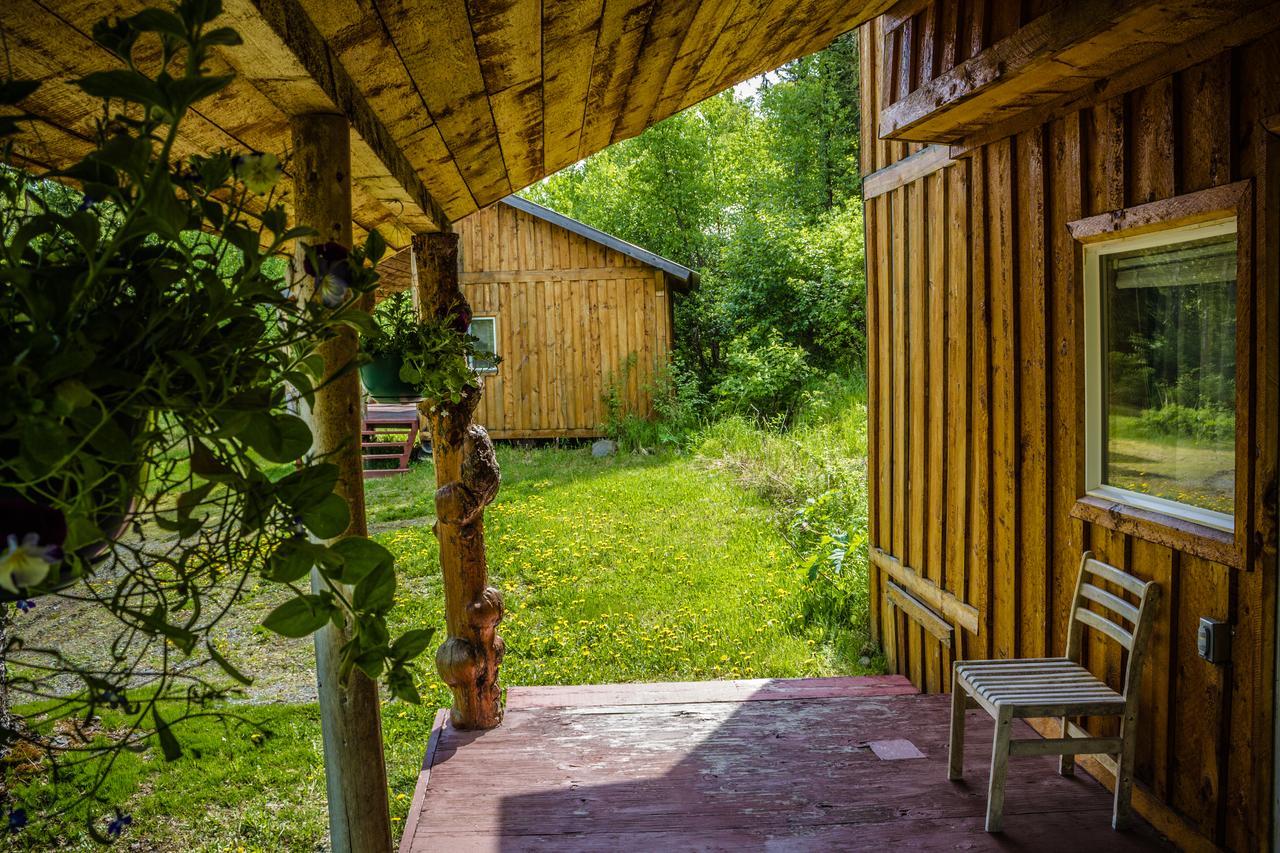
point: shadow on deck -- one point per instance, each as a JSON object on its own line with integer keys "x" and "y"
{"x": 754, "y": 765}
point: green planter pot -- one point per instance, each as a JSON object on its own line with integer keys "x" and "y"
{"x": 381, "y": 378}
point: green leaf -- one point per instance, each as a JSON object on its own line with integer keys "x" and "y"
{"x": 400, "y": 682}
{"x": 372, "y": 662}
{"x": 222, "y": 36}
{"x": 360, "y": 557}
{"x": 299, "y": 616}
{"x": 293, "y": 558}
{"x": 327, "y": 519}
{"x": 377, "y": 590}
{"x": 123, "y": 84}
{"x": 205, "y": 464}
{"x": 12, "y": 91}
{"x": 412, "y": 643}
{"x": 188, "y": 90}
{"x": 308, "y": 486}
{"x": 375, "y": 246}
{"x": 226, "y": 665}
{"x": 158, "y": 21}
{"x": 168, "y": 743}
{"x": 277, "y": 438}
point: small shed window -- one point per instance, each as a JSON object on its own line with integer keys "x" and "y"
{"x": 485, "y": 330}
{"x": 1160, "y": 371}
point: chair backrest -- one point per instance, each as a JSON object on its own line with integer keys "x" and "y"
{"x": 1116, "y": 611}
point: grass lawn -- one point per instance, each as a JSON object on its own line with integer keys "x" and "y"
{"x": 629, "y": 568}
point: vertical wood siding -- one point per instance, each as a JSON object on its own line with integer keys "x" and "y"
{"x": 976, "y": 391}
{"x": 571, "y": 315}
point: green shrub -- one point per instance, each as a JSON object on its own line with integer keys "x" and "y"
{"x": 1206, "y": 422}
{"x": 678, "y": 407}
{"x": 763, "y": 381}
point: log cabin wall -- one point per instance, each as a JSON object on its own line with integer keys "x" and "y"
{"x": 976, "y": 390}
{"x": 571, "y": 315}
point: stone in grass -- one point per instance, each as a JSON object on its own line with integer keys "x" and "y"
{"x": 604, "y": 447}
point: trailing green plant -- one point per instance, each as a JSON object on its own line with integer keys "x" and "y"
{"x": 438, "y": 359}
{"x": 397, "y": 321}
{"x": 152, "y": 457}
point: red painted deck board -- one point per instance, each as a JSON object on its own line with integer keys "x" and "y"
{"x": 730, "y": 772}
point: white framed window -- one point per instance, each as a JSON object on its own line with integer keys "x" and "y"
{"x": 485, "y": 329}
{"x": 1160, "y": 371}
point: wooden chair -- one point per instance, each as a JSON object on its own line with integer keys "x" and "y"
{"x": 1060, "y": 687}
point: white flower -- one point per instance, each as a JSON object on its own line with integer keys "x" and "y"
{"x": 259, "y": 172}
{"x": 26, "y": 564}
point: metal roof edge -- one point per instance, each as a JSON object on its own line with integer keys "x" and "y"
{"x": 684, "y": 275}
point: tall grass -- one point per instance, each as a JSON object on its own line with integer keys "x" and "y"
{"x": 814, "y": 476}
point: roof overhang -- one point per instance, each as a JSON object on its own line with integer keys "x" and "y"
{"x": 453, "y": 106}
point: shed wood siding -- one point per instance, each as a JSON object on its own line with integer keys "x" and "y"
{"x": 976, "y": 427}
{"x": 570, "y": 312}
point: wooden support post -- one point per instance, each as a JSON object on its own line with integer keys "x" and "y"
{"x": 466, "y": 481}
{"x": 350, "y": 721}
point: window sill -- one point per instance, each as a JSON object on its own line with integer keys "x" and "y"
{"x": 1199, "y": 540}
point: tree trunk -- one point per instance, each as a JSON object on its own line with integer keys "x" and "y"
{"x": 466, "y": 481}
{"x": 351, "y": 725}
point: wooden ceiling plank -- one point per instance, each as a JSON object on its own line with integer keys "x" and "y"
{"x": 667, "y": 24}
{"x": 356, "y": 36}
{"x": 569, "y": 36}
{"x": 622, "y": 29}
{"x": 699, "y": 40}
{"x": 436, "y": 44}
{"x": 508, "y": 37}
{"x": 747, "y": 15}
{"x": 282, "y": 43}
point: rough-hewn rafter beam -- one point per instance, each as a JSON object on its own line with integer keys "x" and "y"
{"x": 262, "y": 22}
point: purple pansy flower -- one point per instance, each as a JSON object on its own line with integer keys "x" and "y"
{"x": 26, "y": 605}
{"x": 328, "y": 265}
{"x": 17, "y": 819}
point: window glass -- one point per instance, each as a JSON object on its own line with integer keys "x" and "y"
{"x": 485, "y": 329}
{"x": 1169, "y": 341}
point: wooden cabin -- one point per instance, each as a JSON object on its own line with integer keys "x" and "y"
{"x": 1055, "y": 191}
{"x": 1039, "y": 177}
{"x": 570, "y": 311}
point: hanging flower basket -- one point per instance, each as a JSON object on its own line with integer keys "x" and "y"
{"x": 381, "y": 378}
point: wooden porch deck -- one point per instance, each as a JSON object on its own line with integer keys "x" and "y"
{"x": 740, "y": 765}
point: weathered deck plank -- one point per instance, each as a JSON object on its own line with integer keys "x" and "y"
{"x": 709, "y": 766}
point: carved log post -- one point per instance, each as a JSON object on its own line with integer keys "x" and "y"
{"x": 350, "y": 720}
{"x": 466, "y": 481}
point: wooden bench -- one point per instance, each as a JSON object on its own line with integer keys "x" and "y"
{"x": 1061, "y": 687}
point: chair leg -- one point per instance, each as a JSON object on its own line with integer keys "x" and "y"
{"x": 1066, "y": 763}
{"x": 1122, "y": 813}
{"x": 955, "y": 754}
{"x": 999, "y": 764}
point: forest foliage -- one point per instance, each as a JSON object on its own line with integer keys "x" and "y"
{"x": 760, "y": 192}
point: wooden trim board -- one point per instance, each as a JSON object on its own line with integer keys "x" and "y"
{"x": 924, "y": 162}
{"x": 938, "y": 599}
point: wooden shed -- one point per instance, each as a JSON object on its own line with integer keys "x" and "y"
{"x": 570, "y": 311}
{"x": 1033, "y": 172}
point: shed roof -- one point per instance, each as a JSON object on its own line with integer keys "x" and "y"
{"x": 395, "y": 271}
{"x": 679, "y": 272}
{"x": 453, "y": 105}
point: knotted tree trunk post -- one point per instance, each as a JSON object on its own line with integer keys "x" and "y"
{"x": 466, "y": 482}
{"x": 350, "y": 718}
